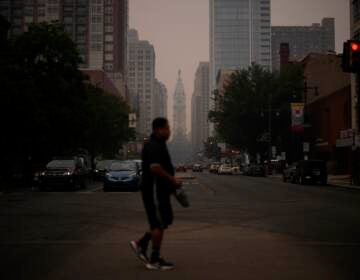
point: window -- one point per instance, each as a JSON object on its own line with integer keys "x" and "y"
{"x": 109, "y": 48}
{"x": 109, "y": 10}
{"x": 109, "y": 57}
{"x": 109, "y": 29}
{"x": 108, "y": 66}
{"x": 109, "y": 38}
{"x": 108, "y": 19}
{"x": 356, "y": 9}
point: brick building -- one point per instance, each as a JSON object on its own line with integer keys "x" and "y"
{"x": 328, "y": 107}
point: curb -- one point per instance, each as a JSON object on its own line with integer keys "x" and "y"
{"x": 330, "y": 184}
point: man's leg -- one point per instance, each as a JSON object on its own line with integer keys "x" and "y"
{"x": 144, "y": 241}
{"x": 140, "y": 247}
{"x": 157, "y": 235}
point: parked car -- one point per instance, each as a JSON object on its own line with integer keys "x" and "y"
{"x": 214, "y": 168}
{"x": 310, "y": 171}
{"x": 122, "y": 176}
{"x": 100, "y": 169}
{"x": 225, "y": 169}
{"x": 255, "y": 170}
{"x": 235, "y": 169}
{"x": 68, "y": 172}
{"x": 197, "y": 168}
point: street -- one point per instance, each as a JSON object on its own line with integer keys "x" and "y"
{"x": 237, "y": 228}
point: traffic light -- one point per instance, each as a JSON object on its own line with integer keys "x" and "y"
{"x": 351, "y": 57}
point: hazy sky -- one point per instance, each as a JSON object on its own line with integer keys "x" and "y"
{"x": 179, "y": 31}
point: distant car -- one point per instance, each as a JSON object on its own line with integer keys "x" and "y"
{"x": 122, "y": 176}
{"x": 70, "y": 172}
{"x": 256, "y": 170}
{"x": 197, "y": 168}
{"x": 225, "y": 169}
{"x": 100, "y": 169}
{"x": 214, "y": 168}
{"x": 310, "y": 171}
{"x": 180, "y": 168}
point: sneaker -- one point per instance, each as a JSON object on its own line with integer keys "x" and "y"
{"x": 182, "y": 197}
{"x": 139, "y": 252}
{"x": 159, "y": 264}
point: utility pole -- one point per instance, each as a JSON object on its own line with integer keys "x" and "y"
{"x": 270, "y": 126}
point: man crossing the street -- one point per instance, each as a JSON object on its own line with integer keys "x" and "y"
{"x": 158, "y": 183}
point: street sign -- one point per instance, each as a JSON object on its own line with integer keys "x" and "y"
{"x": 132, "y": 120}
{"x": 306, "y": 147}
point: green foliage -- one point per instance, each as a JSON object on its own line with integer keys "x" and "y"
{"x": 251, "y": 97}
{"x": 108, "y": 123}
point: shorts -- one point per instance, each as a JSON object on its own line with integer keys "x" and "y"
{"x": 158, "y": 207}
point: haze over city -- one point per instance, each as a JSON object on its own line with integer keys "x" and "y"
{"x": 179, "y": 31}
{"x": 132, "y": 145}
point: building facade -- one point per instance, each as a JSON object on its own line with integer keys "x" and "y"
{"x": 302, "y": 40}
{"x": 328, "y": 109}
{"x": 98, "y": 27}
{"x": 141, "y": 79}
{"x": 200, "y": 107}
{"x": 240, "y": 35}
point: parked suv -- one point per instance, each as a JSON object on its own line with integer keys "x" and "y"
{"x": 68, "y": 172}
{"x": 310, "y": 171}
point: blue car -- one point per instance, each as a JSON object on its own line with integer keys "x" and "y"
{"x": 122, "y": 176}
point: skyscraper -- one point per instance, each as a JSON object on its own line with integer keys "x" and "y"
{"x": 160, "y": 100}
{"x": 239, "y": 35}
{"x": 179, "y": 127}
{"x": 141, "y": 78}
{"x": 200, "y": 107}
{"x": 302, "y": 40}
{"x": 179, "y": 143}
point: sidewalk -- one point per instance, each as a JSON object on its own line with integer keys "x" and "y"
{"x": 340, "y": 181}
{"x": 343, "y": 181}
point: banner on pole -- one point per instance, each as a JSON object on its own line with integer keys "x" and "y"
{"x": 297, "y": 117}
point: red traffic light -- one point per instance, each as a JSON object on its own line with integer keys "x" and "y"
{"x": 355, "y": 46}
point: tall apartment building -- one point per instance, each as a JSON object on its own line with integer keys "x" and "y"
{"x": 141, "y": 78}
{"x": 200, "y": 107}
{"x": 160, "y": 100}
{"x": 302, "y": 40}
{"x": 98, "y": 27}
{"x": 240, "y": 34}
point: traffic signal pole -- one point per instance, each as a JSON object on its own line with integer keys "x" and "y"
{"x": 351, "y": 64}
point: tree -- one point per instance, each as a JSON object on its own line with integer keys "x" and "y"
{"x": 107, "y": 123}
{"x": 253, "y": 96}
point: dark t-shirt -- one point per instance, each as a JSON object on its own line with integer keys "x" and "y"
{"x": 155, "y": 152}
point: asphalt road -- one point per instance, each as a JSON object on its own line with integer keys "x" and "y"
{"x": 237, "y": 228}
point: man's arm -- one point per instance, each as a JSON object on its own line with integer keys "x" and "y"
{"x": 158, "y": 171}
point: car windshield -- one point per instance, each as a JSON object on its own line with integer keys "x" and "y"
{"x": 61, "y": 164}
{"x": 123, "y": 166}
